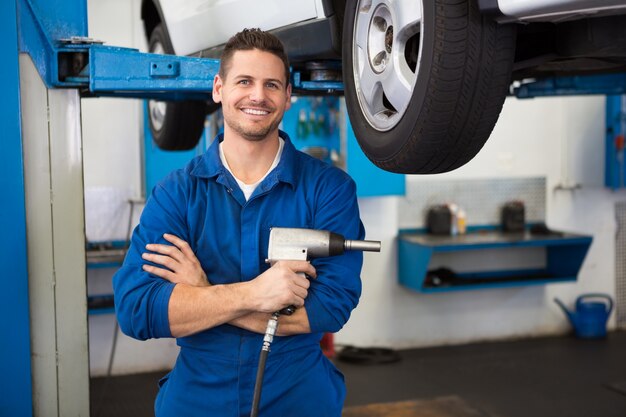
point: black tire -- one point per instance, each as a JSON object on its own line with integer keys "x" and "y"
{"x": 461, "y": 62}
{"x": 175, "y": 125}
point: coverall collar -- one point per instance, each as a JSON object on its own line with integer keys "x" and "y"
{"x": 211, "y": 166}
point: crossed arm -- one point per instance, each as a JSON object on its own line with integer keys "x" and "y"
{"x": 195, "y": 304}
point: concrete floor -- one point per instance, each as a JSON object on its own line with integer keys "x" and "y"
{"x": 560, "y": 376}
{"x": 547, "y": 377}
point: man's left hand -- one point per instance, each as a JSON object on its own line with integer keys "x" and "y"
{"x": 183, "y": 267}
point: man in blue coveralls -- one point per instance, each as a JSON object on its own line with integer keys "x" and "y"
{"x": 196, "y": 266}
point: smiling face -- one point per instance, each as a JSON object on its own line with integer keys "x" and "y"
{"x": 254, "y": 94}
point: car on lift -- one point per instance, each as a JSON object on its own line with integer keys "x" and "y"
{"x": 424, "y": 80}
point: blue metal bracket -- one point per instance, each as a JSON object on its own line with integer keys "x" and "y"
{"x": 41, "y": 26}
{"x": 568, "y": 86}
{"x": 130, "y": 73}
{"x": 15, "y": 353}
{"x": 65, "y": 58}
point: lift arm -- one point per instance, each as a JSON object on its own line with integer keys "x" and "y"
{"x": 66, "y": 58}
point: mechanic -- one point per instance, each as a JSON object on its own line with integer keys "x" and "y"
{"x": 196, "y": 270}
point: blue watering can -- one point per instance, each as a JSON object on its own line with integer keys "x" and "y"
{"x": 589, "y": 319}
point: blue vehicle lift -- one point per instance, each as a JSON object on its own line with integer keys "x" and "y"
{"x": 15, "y": 362}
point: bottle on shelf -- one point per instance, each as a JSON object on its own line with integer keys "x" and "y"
{"x": 461, "y": 221}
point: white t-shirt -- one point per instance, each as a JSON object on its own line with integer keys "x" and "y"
{"x": 248, "y": 189}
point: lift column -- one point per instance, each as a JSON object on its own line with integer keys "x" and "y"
{"x": 55, "y": 228}
{"x": 53, "y": 176}
{"x": 15, "y": 349}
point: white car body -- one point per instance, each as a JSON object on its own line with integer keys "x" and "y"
{"x": 557, "y": 10}
{"x": 195, "y": 25}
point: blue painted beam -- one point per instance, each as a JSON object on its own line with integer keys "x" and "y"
{"x": 42, "y": 25}
{"x": 16, "y": 399}
{"x": 113, "y": 69}
{"x": 576, "y": 85}
{"x": 54, "y": 34}
{"x": 615, "y": 165}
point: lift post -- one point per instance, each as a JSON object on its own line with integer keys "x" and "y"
{"x": 15, "y": 349}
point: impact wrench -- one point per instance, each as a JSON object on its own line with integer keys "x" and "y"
{"x": 299, "y": 245}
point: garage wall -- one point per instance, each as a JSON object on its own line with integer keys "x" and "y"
{"x": 560, "y": 139}
{"x": 111, "y": 127}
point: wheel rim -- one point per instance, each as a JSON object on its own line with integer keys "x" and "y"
{"x": 386, "y": 53}
{"x": 157, "y": 109}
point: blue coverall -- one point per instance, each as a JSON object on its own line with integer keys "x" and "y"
{"x": 215, "y": 371}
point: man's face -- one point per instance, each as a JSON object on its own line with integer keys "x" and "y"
{"x": 254, "y": 94}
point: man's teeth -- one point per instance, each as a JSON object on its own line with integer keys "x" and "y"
{"x": 255, "y": 112}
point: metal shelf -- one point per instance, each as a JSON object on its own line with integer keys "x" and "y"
{"x": 564, "y": 255}
{"x": 100, "y": 304}
{"x": 105, "y": 254}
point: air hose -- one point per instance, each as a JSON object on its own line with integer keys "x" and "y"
{"x": 270, "y": 331}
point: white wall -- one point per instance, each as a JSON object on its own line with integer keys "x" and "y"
{"x": 111, "y": 126}
{"x": 112, "y": 138}
{"x": 560, "y": 138}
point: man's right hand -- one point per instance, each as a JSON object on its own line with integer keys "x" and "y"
{"x": 282, "y": 285}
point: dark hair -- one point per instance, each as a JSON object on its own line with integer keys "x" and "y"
{"x": 249, "y": 39}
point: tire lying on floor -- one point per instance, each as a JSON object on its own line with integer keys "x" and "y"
{"x": 424, "y": 81}
{"x": 175, "y": 125}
